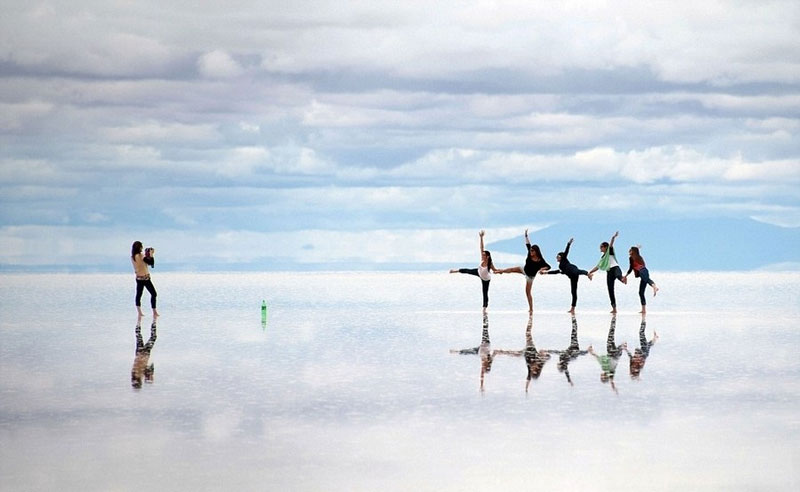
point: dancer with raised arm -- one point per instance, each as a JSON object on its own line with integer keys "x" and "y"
{"x": 534, "y": 263}
{"x": 483, "y": 350}
{"x": 534, "y": 359}
{"x": 609, "y": 362}
{"x": 571, "y": 271}
{"x": 572, "y": 352}
{"x": 640, "y": 355}
{"x": 484, "y": 270}
{"x": 608, "y": 263}
{"x": 640, "y": 270}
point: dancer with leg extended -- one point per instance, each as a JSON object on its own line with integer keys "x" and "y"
{"x": 483, "y": 350}
{"x": 484, "y": 270}
{"x": 571, "y": 271}
{"x": 608, "y": 263}
{"x": 572, "y": 352}
{"x": 639, "y": 356}
{"x": 639, "y": 268}
{"x": 140, "y": 268}
{"x": 534, "y": 359}
{"x": 534, "y": 263}
{"x": 609, "y": 362}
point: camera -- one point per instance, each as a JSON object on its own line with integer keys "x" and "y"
{"x": 148, "y": 252}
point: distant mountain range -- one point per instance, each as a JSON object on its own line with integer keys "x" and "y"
{"x": 686, "y": 245}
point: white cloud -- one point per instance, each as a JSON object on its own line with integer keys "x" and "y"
{"x": 218, "y": 64}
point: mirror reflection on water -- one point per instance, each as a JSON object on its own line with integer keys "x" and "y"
{"x": 397, "y": 381}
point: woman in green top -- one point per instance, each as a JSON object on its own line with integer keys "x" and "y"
{"x": 608, "y": 263}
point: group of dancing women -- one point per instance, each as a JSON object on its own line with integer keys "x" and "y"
{"x": 536, "y": 264}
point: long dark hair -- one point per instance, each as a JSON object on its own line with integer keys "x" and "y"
{"x": 635, "y": 255}
{"x": 136, "y": 248}
{"x": 606, "y": 246}
{"x": 489, "y": 264}
{"x": 535, "y": 249}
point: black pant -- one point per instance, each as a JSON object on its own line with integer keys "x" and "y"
{"x": 474, "y": 271}
{"x": 140, "y": 286}
{"x": 573, "y": 284}
{"x": 612, "y": 276}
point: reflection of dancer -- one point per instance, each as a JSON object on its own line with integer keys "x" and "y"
{"x": 483, "y": 350}
{"x": 640, "y": 270}
{"x": 608, "y": 263}
{"x": 534, "y": 359}
{"x": 571, "y": 271}
{"x": 484, "y": 271}
{"x": 609, "y": 362}
{"x": 570, "y": 353}
{"x": 141, "y": 370}
{"x": 140, "y": 268}
{"x": 534, "y": 262}
{"x": 640, "y": 354}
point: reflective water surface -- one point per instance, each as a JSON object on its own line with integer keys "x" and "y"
{"x": 397, "y": 381}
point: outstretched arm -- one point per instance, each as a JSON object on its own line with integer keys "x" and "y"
{"x": 611, "y": 243}
{"x": 569, "y": 243}
{"x": 481, "y": 233}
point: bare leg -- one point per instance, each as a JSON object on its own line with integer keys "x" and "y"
{"x": 528, "y": 286}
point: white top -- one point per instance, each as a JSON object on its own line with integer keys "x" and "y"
{"x": 484, "y": 273}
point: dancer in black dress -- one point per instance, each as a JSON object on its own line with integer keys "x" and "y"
{"x": 571, "y": 271}
{"x": 534, "y": 263}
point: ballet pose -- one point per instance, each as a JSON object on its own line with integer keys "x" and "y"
{"x": 534, "y": 359}
{"x": 639, "y": 356}
{"x": 639, "y": 268}
{"x": 608, "y": 263}
{"x": 484, "y": 270}
{"x": 571, "y": 271}
{"x": 609, "y": 362}
{"x": 571, "y": 353}
{"x": 483, "y": 350}
{"x": 534, "y": 263}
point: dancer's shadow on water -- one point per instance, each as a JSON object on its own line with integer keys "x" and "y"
{"x": 609, "y": 362}
{"x": 572, "y": 352}
{"x": 142, "y": 370}
{"x": 640, "y": 354}
{"x": 483, "y": 350}
{"x": 534, "y": 359}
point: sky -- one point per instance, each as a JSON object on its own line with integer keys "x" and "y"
{"x": 327, "y": 134}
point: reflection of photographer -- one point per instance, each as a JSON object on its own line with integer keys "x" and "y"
{"x": 141, "y": 263}
{"x": 142, "y": 371}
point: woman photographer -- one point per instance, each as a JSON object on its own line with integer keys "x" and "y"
{"x": 141, "y": 264}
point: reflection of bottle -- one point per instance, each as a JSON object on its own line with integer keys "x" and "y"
{"x": 263, "y": 311}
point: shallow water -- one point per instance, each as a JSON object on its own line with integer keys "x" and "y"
{"x": 351, "y": 384}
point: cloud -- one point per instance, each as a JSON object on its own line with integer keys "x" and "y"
{"x": 676, "y": 164}
{"x": 249, "y": 118}
{"x": 218, "y": 64}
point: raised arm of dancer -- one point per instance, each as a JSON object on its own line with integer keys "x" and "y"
{"x": 481, "y": 233}
{"x": 527, "y": 241}
{"x": 566, "y": 250}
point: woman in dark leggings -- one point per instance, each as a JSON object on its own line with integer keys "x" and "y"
{"x": 608, "y": 263}
{"x": 140, "y": 268}
{"x": 571, "y": 271}
{"x": 640, "y": 270}
{"x": 484, "y": 270}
